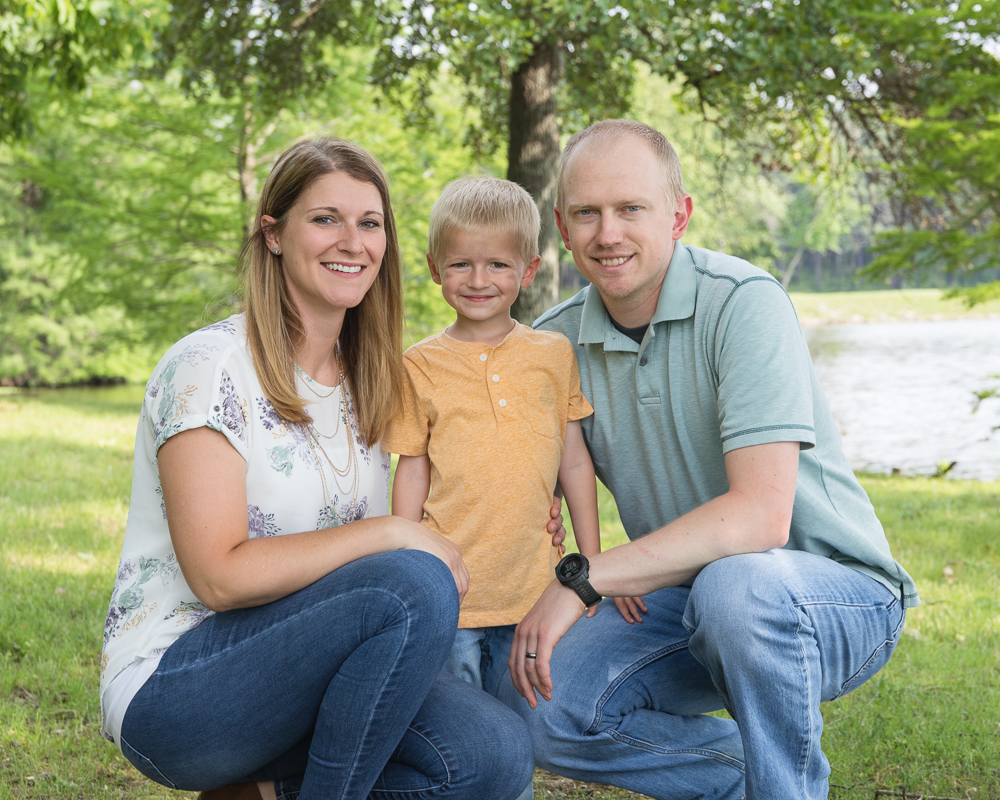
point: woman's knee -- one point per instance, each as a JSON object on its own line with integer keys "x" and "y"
{"x": 411, "y": 583}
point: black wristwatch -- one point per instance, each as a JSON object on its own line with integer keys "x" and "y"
{"x": 573, "y": 572}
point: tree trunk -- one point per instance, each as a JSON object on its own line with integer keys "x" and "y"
{"x": 786, "y": 279}
{"x": 533, "y": 162}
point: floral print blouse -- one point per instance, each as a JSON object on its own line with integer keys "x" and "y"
{"x": 207, "y": 379}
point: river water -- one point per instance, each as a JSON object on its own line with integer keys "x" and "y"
{"x": 901, "y": 394}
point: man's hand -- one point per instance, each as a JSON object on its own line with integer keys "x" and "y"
{"x": 629, "y": 607}
{"x": 539, "y": 632}
{"x": 555, "y": 526}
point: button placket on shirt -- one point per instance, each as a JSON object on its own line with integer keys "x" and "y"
{"x": 494, "y": 378}
{"x": 645, "y": 375}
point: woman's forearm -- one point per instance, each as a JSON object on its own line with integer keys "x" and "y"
{"x": 224, "y": 567}
{"x": 259, "y": 571}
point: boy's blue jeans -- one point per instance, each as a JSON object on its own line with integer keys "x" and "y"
{"x": 479, "y": 656}
{"x": 333, "y": 692}
{"x": 767, "y": 636}
{"x": 477, "y": 651}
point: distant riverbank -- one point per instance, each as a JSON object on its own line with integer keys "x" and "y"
{"x": 890, "y": 305}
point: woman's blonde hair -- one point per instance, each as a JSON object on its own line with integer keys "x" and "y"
{"x": 370, "y": 339}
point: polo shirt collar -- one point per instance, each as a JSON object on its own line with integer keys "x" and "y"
{"x": 676, "y": 301}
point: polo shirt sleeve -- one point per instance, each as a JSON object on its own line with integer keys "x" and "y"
{"x": 578, "y": 405}
{"x": 409, "y": 431}
{"x": 763, "y": 369}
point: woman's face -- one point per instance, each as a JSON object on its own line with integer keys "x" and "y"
{"x": 331, "y": 247}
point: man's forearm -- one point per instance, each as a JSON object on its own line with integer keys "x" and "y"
{"x": 753, "y": 516}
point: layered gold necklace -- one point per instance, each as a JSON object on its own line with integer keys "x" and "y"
{"x": 316, "y": 448}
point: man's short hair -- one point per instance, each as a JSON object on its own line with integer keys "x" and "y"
{"x": 496, "y": 205}
{"x": 610, "y": 130}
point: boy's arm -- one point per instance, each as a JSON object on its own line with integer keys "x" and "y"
{"x": 579, "y": 486}
{"x": 410, "y": 486}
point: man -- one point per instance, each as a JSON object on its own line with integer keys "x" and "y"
{"x": 767, "y": 580}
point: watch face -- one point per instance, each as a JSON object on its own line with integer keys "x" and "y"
{"x": 571, "y": 568}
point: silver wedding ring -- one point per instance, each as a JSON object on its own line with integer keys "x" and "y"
{"x": 531, "y": 655}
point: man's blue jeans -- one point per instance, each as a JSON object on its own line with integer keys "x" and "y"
{"x": 766, "y": 636}
{"x": 333, "y": 692}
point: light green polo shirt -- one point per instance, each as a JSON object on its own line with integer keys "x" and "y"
{"x": 723, "y": 365}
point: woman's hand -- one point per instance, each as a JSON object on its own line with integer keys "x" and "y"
{"x": 539, "y": 632}
{"x": 423, "y": 538}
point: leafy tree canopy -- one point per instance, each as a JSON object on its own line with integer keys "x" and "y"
{"x": 61, "y": 42}
{"x": 267, "y": 51}
{"x": 904, "y": 90}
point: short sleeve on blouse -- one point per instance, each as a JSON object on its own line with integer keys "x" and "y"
{"x": 196, "y": 385}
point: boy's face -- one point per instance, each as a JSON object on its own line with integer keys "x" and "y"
{"x": 480, "y": 273}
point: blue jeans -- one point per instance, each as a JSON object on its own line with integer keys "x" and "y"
{"x": 477, "y": 652}
{"x": 479, "y": 656}
{"x": 766, "y": 636}
{"x": 333, "y": 692}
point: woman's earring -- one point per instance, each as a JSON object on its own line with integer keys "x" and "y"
{"x": 277, "y": 251}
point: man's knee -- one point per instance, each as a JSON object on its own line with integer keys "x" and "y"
{"x": 737, "y": 605}
{"x": 732, "y": 592}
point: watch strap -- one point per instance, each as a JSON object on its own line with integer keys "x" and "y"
{"x": 587, "y": 593}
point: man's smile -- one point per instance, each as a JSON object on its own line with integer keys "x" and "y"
{"x": 617, "y": 261}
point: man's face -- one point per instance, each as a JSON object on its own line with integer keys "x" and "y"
{"x": 618, "y": 222}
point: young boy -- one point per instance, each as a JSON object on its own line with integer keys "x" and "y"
{"x": 490, "y": 420}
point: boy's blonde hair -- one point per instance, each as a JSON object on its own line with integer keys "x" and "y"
{"x": 611, "y": 130}
{"x": 496, "y": 205}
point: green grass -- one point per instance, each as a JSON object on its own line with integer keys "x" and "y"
{"x": 930, "y": 722}
{"x": 885, "y": 306}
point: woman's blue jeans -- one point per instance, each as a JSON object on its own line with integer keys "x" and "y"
{"x": 767, "y": 636}
{"x": 335, "y": 691}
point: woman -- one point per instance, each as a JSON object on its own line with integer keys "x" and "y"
{"x": 270, "y": 625}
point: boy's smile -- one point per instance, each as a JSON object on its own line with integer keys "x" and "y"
{"x": 480, "y": 272}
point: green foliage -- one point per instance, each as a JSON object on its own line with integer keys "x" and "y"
{"x": 49, "y": 337}
{"x": 128, "y": 224}
{"x": 908, "y": 91}
{"x": 61, "y": 42}
{"x": 949, "y": 192}
{"x": 268, "y": 52}
{"x": 486, "y": 43}
{"x": 126, "y": 214}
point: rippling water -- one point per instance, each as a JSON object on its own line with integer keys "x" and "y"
{"x": 902, "y": 394}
